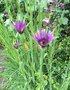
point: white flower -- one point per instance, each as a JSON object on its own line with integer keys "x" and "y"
{"x": 7, "y": 22}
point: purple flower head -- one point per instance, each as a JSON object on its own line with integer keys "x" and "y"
{"x": 20, "y": 26}
{"x": 42, "y": 38}
{"x": 62, "y": 5}
{"x": 16, "y": 45}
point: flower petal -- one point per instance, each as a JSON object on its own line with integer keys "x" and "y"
{"x": 39, "y": 34}
{"x": 43, "y": 33}
{"x": 35, "y": 37}
{"x": 50, "y": 37}
{"x": 20, "y": 26}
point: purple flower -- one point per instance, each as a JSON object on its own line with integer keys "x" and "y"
{"x": 62, "y": 5}
{"x": 20, "y": 26}
{"x": 42, "y": 38}
{"x": 16, "y": 45}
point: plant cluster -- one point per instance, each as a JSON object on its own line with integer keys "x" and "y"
{"x": 34, "y": 45}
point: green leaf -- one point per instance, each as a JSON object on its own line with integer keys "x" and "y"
{"x": 66, "y": 1}
{"x": 64, "y": 21}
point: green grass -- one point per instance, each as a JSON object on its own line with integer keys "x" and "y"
{"x": 30, "y": 67}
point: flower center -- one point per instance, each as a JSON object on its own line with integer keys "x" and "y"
{"x": 43, "y": 42}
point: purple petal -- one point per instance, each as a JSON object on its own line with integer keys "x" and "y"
{"x": 35, "y": 37}
{"x": 50, "y": 37}
{"x": 43, "y": 33}
{"x": 20, "y": 26}
{"x": 16, "y": 25}
{"x": 38, "y": 34}
{"x": 42, "y": 38}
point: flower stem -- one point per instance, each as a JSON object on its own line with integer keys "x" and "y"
{"x": 50, "y": 75}
{"x": 41, "y": 61}
{"x": 40, "y": 70}
{"x": 50, "y": 59}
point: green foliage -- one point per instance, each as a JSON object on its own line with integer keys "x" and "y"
{"x": 31, "y": 67}
{"x": 65, "y": 21}
{"x": 66, "y": 1}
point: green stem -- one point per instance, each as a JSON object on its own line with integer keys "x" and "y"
{"x": 40, "y": 15}
{"x": 41, "y": 70}
{"x": 41, "y": 61}
{"x": 50, "y": 58}
{"x": 50, "y": 75}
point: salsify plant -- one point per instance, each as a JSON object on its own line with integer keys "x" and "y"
{"x": 29, "y": 46}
